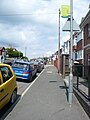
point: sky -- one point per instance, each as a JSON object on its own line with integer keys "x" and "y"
{"x": 31, "y": 26}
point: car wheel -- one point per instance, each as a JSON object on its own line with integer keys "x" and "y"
{"x": 35, "y": 75}
{"x": 13, "y": 97}
{"x": 30, "y": 78}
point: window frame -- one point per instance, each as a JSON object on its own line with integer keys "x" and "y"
{"x": 88, "y": 59}
{"x": 88, "y": 29}
{"x": 10, "y": 74}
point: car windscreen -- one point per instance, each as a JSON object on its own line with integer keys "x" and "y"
{"x": 23, "y": 66}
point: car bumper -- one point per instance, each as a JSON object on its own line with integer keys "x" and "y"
{"x": 25, "y": 77}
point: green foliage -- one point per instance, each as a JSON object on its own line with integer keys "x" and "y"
{"x": 25, "y": 58}
{"x": 45, "y": 59}
{"x": 11, "y": 52}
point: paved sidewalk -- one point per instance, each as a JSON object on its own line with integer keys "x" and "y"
{"x": 46, "y": 100}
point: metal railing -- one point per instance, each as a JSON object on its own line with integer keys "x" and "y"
{"x": 81, "y": 79}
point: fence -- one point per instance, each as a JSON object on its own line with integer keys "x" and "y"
{"x": 81, "y": 79}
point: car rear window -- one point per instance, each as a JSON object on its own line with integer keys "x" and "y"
{"x": 6, "y": 73}
{"x": 23, "y": 66}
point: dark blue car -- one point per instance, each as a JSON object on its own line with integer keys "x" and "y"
{"x": 24, "y": 70}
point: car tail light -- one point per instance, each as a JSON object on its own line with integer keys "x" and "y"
{"x": 25, "y": 72}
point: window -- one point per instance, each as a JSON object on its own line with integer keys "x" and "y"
{"x": 88, "y": 30}
{"x": 23, "y": 66}
{"x": 6, "y": 73}
{"x": 32, "y": 66}
{"x": 89, "y": 59}
{"x": 80, "y": 54}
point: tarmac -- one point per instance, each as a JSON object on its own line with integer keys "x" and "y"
{"x": 46, "y": 99}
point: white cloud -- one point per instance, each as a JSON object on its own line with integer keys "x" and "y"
{"x": 38, "y": 30}
{"x": 52, "y": 38}
{"x": 49, "y": 53}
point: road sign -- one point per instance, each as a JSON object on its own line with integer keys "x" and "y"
{"x": 66, "y": 27}
{"x": 65, "y": 11}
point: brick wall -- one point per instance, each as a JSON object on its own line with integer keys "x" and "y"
{"x": 79, "y": 45}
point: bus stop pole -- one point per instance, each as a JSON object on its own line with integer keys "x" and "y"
{"x": 70, "y": 91}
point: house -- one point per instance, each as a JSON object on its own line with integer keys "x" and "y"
{"x": 56, "y": 59}
{"x": 85, "y": 27}
{"x": 78, "y": 47}
{"x": 74, "y": 47}
{"x": 2, "y": 51}
{"x": 2, "y": 54}
{"x": 64, "y": 59}
{"x": 77, "y": 52}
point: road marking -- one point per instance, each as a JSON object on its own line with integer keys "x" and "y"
{"x": 49, "y": 71}
{"x": 6, "y": 114}
{"x": 31, "y": 85}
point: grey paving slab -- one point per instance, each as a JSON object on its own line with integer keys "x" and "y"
{"x": 46, "y": 100}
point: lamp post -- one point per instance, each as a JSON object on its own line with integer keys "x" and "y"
{"x": 70, "y": 92}
{"x": 59, "y": 45}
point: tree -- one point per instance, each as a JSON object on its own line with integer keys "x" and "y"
{"x": 12, "y": 52}
{"x": 25, "y": 58}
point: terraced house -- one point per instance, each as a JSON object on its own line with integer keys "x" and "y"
{"x": 85, "y": 26}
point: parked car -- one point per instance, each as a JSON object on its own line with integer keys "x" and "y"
{"x": 8, "y": 86}
{"x": 24, "y": 70}
{"x": 9, "y": 62}
{"x": 37, "y": 65}
{"x": 41, "y": 62}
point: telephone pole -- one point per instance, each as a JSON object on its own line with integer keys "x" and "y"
{"x": 25, "y": 51}
{"x": 59, "y": 45}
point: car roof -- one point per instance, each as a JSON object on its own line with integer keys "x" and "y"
{"x": 3, "y": 64}
{"x": 23, "y": 62}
